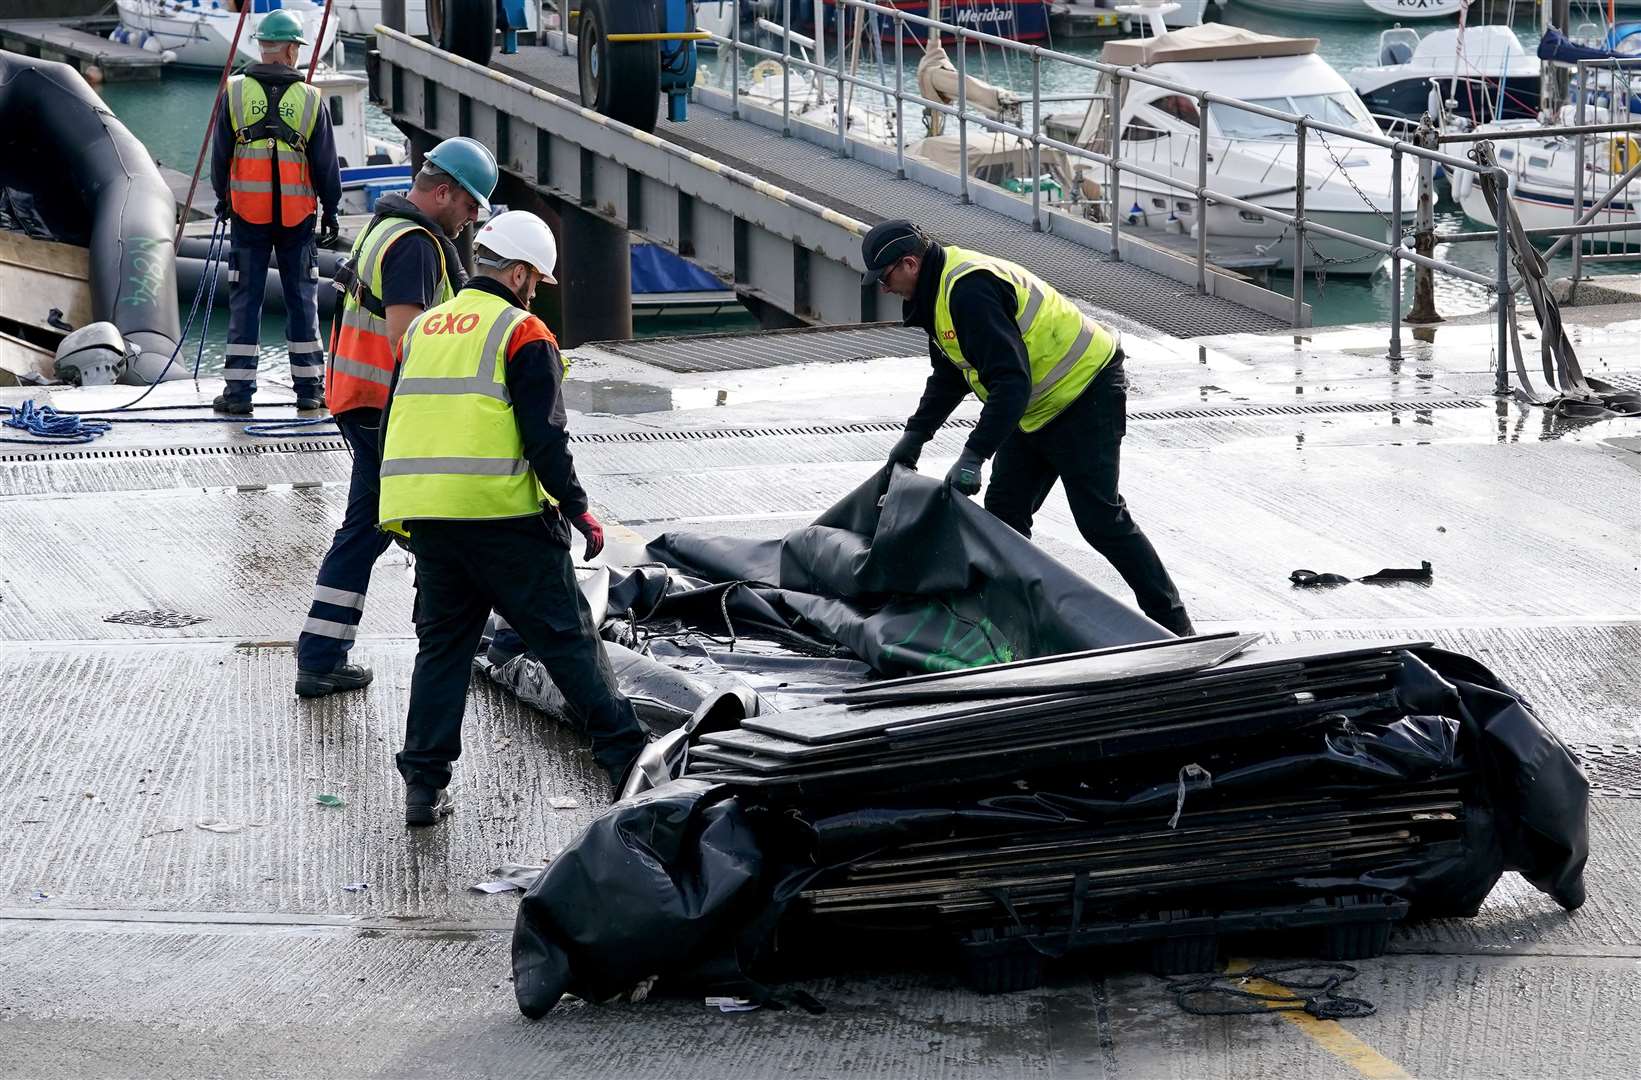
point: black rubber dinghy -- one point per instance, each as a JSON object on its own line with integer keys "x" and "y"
{"x": 95, "y": 185}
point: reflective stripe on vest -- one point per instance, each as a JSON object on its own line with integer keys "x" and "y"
{"x": 362, "y": 363}
{"x": 251, "y": 172}
{"x": 1065, "y": 347}
{"x": 452, "y": 449}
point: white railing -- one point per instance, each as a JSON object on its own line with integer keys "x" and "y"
{"x": 1398, "y": 249}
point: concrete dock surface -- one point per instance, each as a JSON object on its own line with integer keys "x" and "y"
{"x": 176, "y": 901}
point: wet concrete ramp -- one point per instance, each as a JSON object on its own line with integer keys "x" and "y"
{"x": 136, "y": 943}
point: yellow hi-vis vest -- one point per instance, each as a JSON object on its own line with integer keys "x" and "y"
{"x": 452, "y": 449}
{"x": 1066, "y": 348}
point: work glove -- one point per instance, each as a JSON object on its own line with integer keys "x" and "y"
{"x": 330, "y": 230}
{"x": 588, "y": 526}
{"x": 222, "y": 210}
{"x": 965, "y": 472}
{"x": 908, "y": 449}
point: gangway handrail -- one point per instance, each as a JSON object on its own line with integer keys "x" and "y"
{"x": 1397, "y": 249}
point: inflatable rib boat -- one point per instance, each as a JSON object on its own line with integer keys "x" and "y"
{"x": 94, "y": 185}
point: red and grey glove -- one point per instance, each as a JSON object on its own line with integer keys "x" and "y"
{"x": 588, "y": 526}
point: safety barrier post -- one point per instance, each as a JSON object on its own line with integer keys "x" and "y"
{"x": 962, "y": 110}
{"x": 843, "y": 118}
{"x": 786, "y": 68}
{"x": 1036, "y": 140}
{"x": 1396, "y": 253}
{"x": 1202, "y": 193}
{"x": 735, "y": 65}
{"x": 1501, "y": 379}
{"x": 1578, "y": 175}
{"x": 1113, "y": 151}
{"x": 1300, "y": 183}
{"x": 900, "y": 94}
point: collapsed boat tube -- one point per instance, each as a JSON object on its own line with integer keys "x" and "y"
{"x": 95, "y": 185}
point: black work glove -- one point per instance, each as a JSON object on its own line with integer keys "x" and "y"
{"x": 908, "y": 449}
{"x": 330, "y": 230}
{"x": 222, "y": 210}
{"x": 965, "y": 472}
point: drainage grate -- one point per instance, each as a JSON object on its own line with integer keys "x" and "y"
{"x": 733, "y": 352}
{"x": 160, "y": 620}
{"x": 227, "y": 450}
{"x": 1226, "y": 412}
{"x": 1614, "y": 769}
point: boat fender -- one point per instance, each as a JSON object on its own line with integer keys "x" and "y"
{"x": 94, "y": 355}
{"x": 1626, "y": 151}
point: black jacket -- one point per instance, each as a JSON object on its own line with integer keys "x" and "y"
{"x": 322, "y": 165}
{"x": 535, "y": 376}
{"x": 983, "y": 318}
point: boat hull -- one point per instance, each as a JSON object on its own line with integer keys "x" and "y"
{"x": 1356, "y": 10}
{"x": 1541, "y": 208}
{"x": 200, "y": 37}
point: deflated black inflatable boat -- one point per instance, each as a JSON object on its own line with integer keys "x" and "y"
{"x": 94, "y": 184}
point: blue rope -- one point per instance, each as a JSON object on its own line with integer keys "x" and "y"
{"x": 67, "y": 427}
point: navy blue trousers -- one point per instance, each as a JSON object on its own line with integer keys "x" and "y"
{"x": 292, "y": 250}
{"x": 339, "y": 596}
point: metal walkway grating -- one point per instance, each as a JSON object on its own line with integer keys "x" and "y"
{"x": 1125, "y": 292}
{"x": 733, "y": 352}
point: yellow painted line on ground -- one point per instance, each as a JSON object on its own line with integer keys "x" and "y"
{"x": 1330, "y": 1035}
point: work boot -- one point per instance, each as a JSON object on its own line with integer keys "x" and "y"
{"x": 309, "y": 404}
{"x": 426, "y": 805}
{"x": 320, "y": 683}
{"x": 231, "y": 406}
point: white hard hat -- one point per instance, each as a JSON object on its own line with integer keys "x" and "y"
{"x": 520, "y": 236}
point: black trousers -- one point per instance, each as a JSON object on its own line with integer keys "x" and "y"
{"x": 519, "y": 568}
{"x": 1083, "y": 448}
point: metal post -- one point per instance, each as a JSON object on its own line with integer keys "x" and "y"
{"x": 843, "y": 115}
{"x": 1113, "y": 150}
{"x": 1395, "y": 240}
{"x": 735, "y": 65}
{"x": 900, "y": 95}
{"x": 564, "y": 26}
{"x": 1300, "y": 183}
{"x": 786, "y": 69}
{"x": 1036, "y": 141}
{"x": 1424, "y": 229}
{"x": 1501, "y": 290}
{"x": 1578, "y": 180}
{"x": 1202, "y": 193}
{"x": 962, "y": 111}
{"x": 393, "y": 15}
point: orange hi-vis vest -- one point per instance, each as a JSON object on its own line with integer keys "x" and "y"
{"x": 361, "y": 367}
{"x": 266, "y": 140}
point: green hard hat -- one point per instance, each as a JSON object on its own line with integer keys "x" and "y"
{"x": 469, "y": 163}
{"x": 280, "y": 26}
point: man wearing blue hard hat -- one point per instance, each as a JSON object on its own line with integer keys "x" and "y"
{"x": 402, "y": 264}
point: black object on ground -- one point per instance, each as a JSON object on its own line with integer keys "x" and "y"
{"x": 1390, "y": 575}
{"x": 1309, "y": 987}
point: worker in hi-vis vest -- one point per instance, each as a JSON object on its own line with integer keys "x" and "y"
{"x": 403, "y": 263}
{"x": 477, "y": 474}
{"x": 274, "y": 169}
{"x": 1055, "y": 396}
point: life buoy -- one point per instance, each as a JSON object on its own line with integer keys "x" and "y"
{"x": 1625, "y": 152}
{"x": 764, "y": 69}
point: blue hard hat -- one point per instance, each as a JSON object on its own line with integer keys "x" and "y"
{"x": 469, "y": 163}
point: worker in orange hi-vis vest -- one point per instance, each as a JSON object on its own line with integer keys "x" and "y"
{"x": 274, "y": 169}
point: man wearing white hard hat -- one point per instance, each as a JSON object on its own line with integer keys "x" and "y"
{"x": 477, "y": 474}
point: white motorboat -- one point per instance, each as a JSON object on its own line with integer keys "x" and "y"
{"x": 199, "y": 33}
{"x": 1175, "y": 13}
{"x": 1482, "y": 73}
{"x": 1251, "y": 157}
{"x": 1358, "y": 10}
{"x": 1542, "y": 171}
